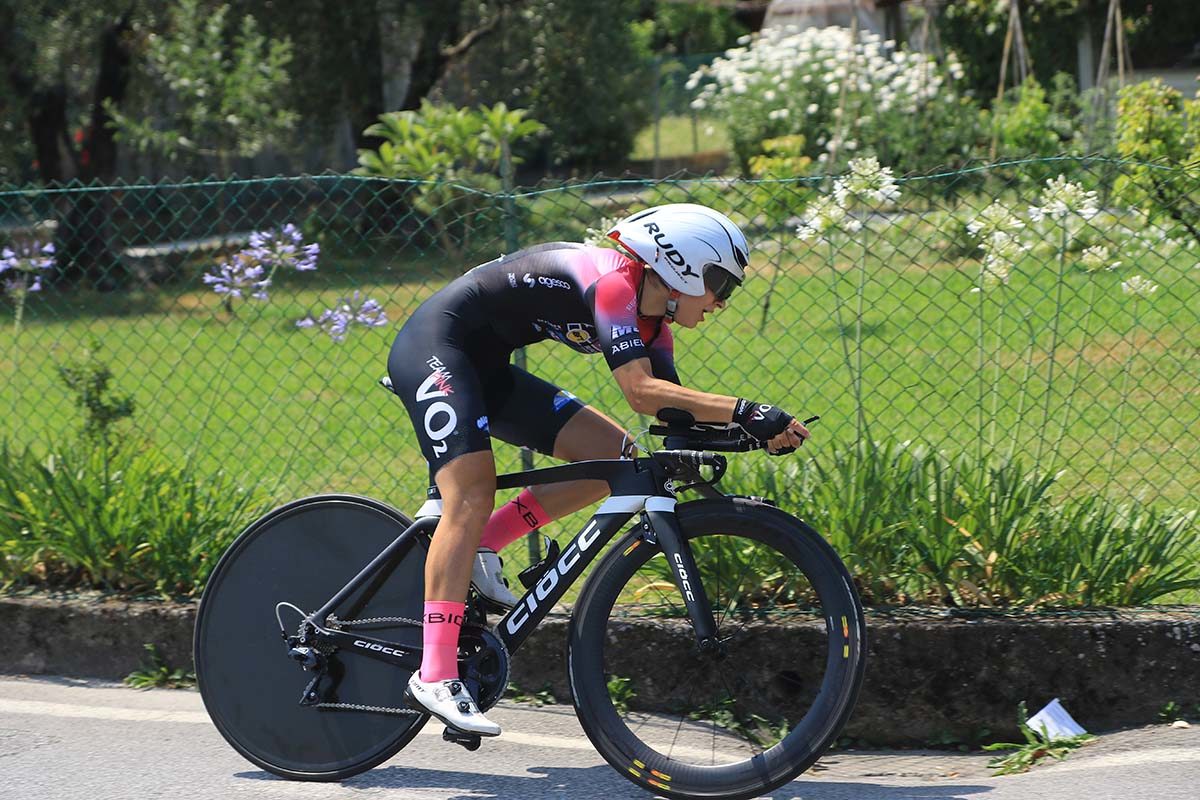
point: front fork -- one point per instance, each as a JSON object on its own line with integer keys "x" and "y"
{"x": 660, "y": 526}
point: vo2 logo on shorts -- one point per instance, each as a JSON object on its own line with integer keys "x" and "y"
{"x": 439, "y": 417}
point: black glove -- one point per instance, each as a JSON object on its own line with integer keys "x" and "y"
{"x": 763, "y": 422}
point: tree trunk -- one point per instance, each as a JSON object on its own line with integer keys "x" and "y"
{"x": 47, "y": 119}
{"x": 87, "y": 247}
{"x": 44, "y": 107}
{"x": 111, "y": 84}
{"x": 401, "y": 29}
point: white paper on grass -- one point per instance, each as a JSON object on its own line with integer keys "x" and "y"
{"x": 1057, "y": 722}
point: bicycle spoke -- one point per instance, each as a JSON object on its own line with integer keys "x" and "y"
{"x": 733, "y": 702}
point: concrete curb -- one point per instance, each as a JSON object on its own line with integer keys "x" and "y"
{"x": 930, "y": 679}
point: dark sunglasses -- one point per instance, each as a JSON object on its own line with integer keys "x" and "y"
{"x": 720, "y": 283}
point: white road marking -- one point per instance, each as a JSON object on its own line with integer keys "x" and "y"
{"x": 118, "y": 714}
{"x": 44, "y": 709}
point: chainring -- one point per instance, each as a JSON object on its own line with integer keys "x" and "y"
{"x": 483, "y": 664}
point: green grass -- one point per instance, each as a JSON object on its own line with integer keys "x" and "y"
{"x": 297, "y": 413}
{"x": 680, "y": 135}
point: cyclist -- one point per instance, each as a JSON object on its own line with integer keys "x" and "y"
{"x": 450, "y": 366}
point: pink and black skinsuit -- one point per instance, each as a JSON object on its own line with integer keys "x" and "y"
{"x": 450, "y": 361}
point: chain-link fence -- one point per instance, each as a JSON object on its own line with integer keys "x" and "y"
{"x": 1059, "y": 326}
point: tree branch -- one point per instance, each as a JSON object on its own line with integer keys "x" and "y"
{"x": 451, "y": 52}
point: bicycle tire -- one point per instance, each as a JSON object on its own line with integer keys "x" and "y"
{"x": 303, "y": 553}
{"x": 719, "y": 747}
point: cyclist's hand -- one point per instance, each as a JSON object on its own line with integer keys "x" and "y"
{"x": 789, "y": 440}
{"x": 776, "y": 427}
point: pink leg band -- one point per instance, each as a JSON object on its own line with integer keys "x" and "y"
{"x": 439, "y": 635}
{"x": 513, "y": 520}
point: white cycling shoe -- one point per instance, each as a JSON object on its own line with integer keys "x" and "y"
{"x": 450, "y": 702}
{"x": 487, "y": 576}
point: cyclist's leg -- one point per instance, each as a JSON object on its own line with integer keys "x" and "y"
{"x": 590, "y": 434}
{"x": 468, "y": 488}
{"x": 439, "y": 384}
{"x": 528, "y": 411}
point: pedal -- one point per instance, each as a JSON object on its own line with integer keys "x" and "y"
{"x": 467, "y": 740}
{"x": 533, "y": 573}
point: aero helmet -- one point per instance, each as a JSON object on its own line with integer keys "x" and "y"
{"x": 682, "y": 242}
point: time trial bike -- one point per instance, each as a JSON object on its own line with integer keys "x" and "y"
{"x": 715, "y": 650}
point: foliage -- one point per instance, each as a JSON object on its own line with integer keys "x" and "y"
{"x": 222, "y": 97}
{"x": 915, "y": 525}
{"x": 621, "y": 692}
{"x": 691, "y": 27}
{"x": 845, "y": 96}
{"x": 118, "y": 518}
{"x": 1028, "y": 122}
{"x": 454, "y": 154}
{"x": 16, "y": 154}
{"x": 585, "y": 79}
{"x": 158, "y": 675}
{"x": 1158, "y": 128}
{"x": 1174, "y": 712}
{"x": 782, "y": 161}
{"x": 1051, "y": 30}
{"x": 542, "y": 697}
{"x": 782, "y": 157}
{"x": 580, "y": 67}
{"x": 89, "y": 379}
{"x": 726, "y": 714}
{"x": 109, "y": 512}
{"x": 1037, "y": 746}
{"x": 56, "y": 57}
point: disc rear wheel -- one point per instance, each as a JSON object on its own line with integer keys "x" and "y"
{"x": 302, "y": 554}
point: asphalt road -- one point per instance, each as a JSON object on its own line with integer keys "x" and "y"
{"x": 66, "y": 739}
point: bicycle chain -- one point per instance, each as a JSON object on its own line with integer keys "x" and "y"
{"x": 341, "y": 624}
{"x": 380, "y": 709}
{"x": 333, "y": 622}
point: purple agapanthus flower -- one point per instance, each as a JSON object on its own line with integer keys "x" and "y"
{"x": 24, "y": 263}
{"x": 337, "y": 320}
{"x": 239, "y": 276}
{"x": 267, "y": 252}
{"x": 284, "y": 247}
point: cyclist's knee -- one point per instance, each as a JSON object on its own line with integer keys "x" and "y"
{"x": 468, "y": 487}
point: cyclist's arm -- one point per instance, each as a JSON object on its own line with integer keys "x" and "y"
{"x": 661, "y": 352}
{"x": 645, "y": 372}
{"x": 647, "y": 394}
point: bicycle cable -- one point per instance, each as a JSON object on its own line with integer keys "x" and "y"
{"x": 634, "y": 438}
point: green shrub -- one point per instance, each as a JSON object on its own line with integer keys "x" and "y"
{"x": 1159, "y": 129}
{"x": 846, "y": 97}
{"x": 915, "y": 525}
{"x": 455, "y": 158}
{"x": 1024, "y": 124}
{"x": 117, "y": 518}
{"x": 580, "y": 67}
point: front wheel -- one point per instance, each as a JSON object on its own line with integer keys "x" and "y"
{"x": 744, "y": 718}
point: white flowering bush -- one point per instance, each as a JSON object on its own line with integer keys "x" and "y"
{"x": 901, "y": 106}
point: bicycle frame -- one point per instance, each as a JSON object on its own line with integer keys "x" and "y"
{"x": 640, "y": 485}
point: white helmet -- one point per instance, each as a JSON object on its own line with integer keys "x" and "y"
{"x": 681, "y": 241}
